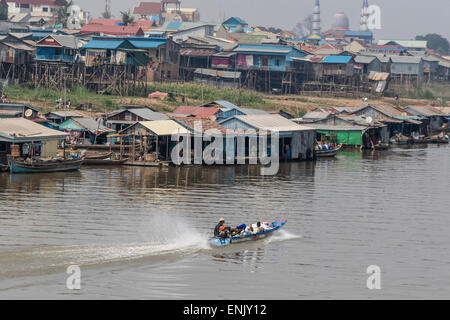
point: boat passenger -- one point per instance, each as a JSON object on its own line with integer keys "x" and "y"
{"x": 259, "y": 228}
{"x": 249, "y": 228}
{"x": 224, "y": 232}
{"x": 217, "y": 228}
{"x": 266, "y": 226}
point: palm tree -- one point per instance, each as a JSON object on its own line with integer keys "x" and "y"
{"x": 127, "y": 17}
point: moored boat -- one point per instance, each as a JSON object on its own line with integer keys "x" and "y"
{"x": 381, "y": 146}
{"x": 39, "y": 166}
{"x": 104, "y": 162}
{"x": 220, "y": 242}
{"x": 331, "y": 152}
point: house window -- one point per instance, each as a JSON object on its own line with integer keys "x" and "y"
{"x": 45, "y": 9}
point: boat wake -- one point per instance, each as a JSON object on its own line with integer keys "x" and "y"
{"x": 283, "y": 235}
{"x": 172, "y": 244}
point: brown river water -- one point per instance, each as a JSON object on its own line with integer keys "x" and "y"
{"x": 142, "y": 233}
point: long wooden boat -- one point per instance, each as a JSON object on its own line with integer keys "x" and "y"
{"x": 220, "y": 242}
{"x": 104, "y": 162}
{"x": 60, "y": 165}
{"x": 321, "y": 153}
{"x": 98, "y": 156}
{"x": 437, "y": 139}
{"x": 399, "y": 139}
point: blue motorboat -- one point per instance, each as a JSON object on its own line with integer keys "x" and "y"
{"x": 243, "y": 237}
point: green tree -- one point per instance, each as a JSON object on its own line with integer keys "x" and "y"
{"x": 61, "y": 14}
{"x": 127, "y": 17}
{"x": 436, "y": 42}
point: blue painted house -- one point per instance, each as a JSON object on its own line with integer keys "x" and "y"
{"x": 59, "y": 48}
{"x": 269, "y": 57}
{"x": 113, "y": 50}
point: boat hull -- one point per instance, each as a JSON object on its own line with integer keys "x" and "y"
{"x": 99, "y": 162}
{"x": 63, "y": 166}
{"x": 218, "y": 242}
{"x": 328, "y": 153}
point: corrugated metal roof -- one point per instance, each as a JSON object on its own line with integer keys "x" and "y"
{"x": 65, "y": 114}
{"x": 207, "y": 124}
{"x": 103, "y": 44}
{"x": 64, "y": 40}
{"x": 316, "y": 115}
{"x": 365, "y": 59}
{"x": 197, "y": 52}
{"x": 406, "y": 43}
{"x": 147, "y": 114}
{"x": 268, "y": 122}
{"x": 406, "y": 59}
{"x": 337, "y": 59}
{"x": 164, "y": 127}
{"x": 378, "y": 76}
{"x": 21, "y": 129}
{"x": 327, "y": 127}
{"x": 144, "y": 44}
{"x": 251, "y": 111}
{"x": 223, "y": 103}
{"x": 265, "y": 48}
{"x": 91, "y": 124}
{"x": 427, "y": 111}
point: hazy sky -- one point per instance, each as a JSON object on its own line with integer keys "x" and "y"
{"x": 399, "y": 18}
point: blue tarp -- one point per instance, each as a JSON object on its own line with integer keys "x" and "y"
{"x": 103, "y": 44}
{"x": 337, "y": 59}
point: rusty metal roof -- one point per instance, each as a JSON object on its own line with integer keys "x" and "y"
{"x": 378, "y": 76}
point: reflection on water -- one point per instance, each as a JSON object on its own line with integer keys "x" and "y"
{"x": 143, "y": 232}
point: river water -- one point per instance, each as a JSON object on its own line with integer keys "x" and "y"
{"x": 142, "y": 233}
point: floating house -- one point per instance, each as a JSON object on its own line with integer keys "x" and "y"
{"x": 436, "y": 119}
{"x": 350, "y": 130}
{"x": 86, "y": 130}
{"x": 297, "y": 138}
{"x": 121, "y": 119}
{"x": 61, "y": 116}
{"x": 152, "y": 139}
{"x": 20, "y": 137}
{"x": 397, "y": 119}
{"x": 18, "y": 110}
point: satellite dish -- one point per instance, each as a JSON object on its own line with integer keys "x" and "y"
{"x": 28, "y": 113}
{"x": 369, "y": 119}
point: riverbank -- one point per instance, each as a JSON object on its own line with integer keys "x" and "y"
{"x": 194, "y": 94}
